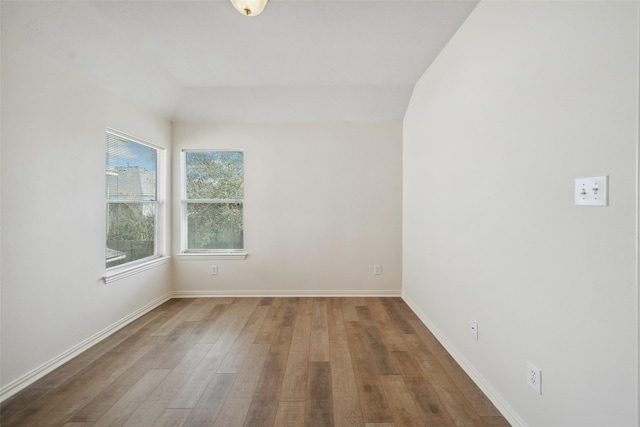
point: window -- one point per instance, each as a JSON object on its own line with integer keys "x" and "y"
{"x": 213, "y": 198}
{"x": 132, "y": 200}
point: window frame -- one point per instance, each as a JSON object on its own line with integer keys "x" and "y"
{"x": 184, "y": 229}
{"x": 159, "y": 248}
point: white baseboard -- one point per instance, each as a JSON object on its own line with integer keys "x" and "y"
{"x": 284, "y": 293}
{"x": 26, "y": 380}
{"x": 498, "y": 401}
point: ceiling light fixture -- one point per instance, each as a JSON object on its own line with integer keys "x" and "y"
{"x": 249, "y": 7}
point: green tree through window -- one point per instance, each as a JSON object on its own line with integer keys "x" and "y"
{"x": 214, "y": 188}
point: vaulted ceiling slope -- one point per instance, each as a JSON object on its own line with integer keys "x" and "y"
{"x": 299, "y": 61}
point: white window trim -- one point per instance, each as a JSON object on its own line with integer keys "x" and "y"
{"x": 202, "y": 253}
{"x": 124, "y": 270}
{"x": 212, "y": 255}
{"x": 134, "y": 267}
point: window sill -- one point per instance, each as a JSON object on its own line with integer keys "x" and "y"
{"x": 212, "y": 255}
{"x": 117, "y": 274}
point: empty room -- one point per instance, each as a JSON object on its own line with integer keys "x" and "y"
{"x": 367, "y": 213}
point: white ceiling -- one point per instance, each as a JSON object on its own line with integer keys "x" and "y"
{"x": 303, "y": 60}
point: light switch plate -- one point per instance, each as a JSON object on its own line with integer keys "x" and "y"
{"x": 592, "y": 191}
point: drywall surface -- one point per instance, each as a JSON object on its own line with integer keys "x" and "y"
{"x": 524, "y": 99}
{"x": 323, "y": 204}
{"x": 53, "y": 210}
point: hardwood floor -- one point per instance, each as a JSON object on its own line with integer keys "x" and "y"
{"x": 261, "y": 362}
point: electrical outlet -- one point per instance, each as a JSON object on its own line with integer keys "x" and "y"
{"x": 214, "y": 270}
{"x": 473, "y": 329}
{"x": 377, "y": 269}
{"x": 534, "y": 377}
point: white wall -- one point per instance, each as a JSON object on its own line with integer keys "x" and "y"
{"x": 323, "y": 204}
{"x": 53, "y": 220}
{"x": 525, "y": 98}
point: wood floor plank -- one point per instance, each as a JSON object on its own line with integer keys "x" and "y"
{"x": 237, "y": 314}
{"x": 385, "y": 364}
{"x": 290, "y": 414}
{"x": 236, "y": 406}
{"x": 216, "y": 312}
{"x": 335, "y": 320}
{"x": 234, "y": 359}
{"x": 172, "y": 418}
{"x": 403, "y": 408}
{"x": 119, "y": 413}
{"x": 110, "y": 395}
{"x": 142, "y": 338}
{"x": 27, "y": 401}
{"x": 346, "y": 403}
{"x": 290, "y": 313}
{"x": 480, "y": 402}
{"x": 294, "y": 383}
{"x": 348, "y": 310}
{"x": 178, "y": 318}
{"x": 319, "y": 349}
{"x": 192, "y": 360}
{"x": 375, "y": 408}
{"x": 319, "y": 397}
{"x": 153, "y": 407}
{"x": 170, "y": 352}
{"x": 227, "y": 332}
{"x": 427, "y": 337}
{"x": 495, "y": 421}
{"x": 265, "y": 401}
{"x": 269, "y": 327}
{"x": 359, "y": 301}
{"x": 390, "y": 334}
{"x": 206, "y": 410}
{"x": 458, "y": 408}
{"x": 192, "y": 389}
{"x": 319, "y": 388}
{"x": 423, "y": 392}
{"x": 403, "y": 310}
{"x": 397, "y": 314}
{"x": 201, "y": 309}
{"x": 267, "y": 301}
{"x": 100, "y": 399}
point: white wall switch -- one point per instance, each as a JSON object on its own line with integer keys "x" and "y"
{"x": 592, "y": 191}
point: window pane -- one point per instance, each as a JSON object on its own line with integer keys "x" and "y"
{"x": 130, "y": 232}
{"x": 214, "y": 174}
{"x": 131, "y": 170}
{"x": 214, "y": 226}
